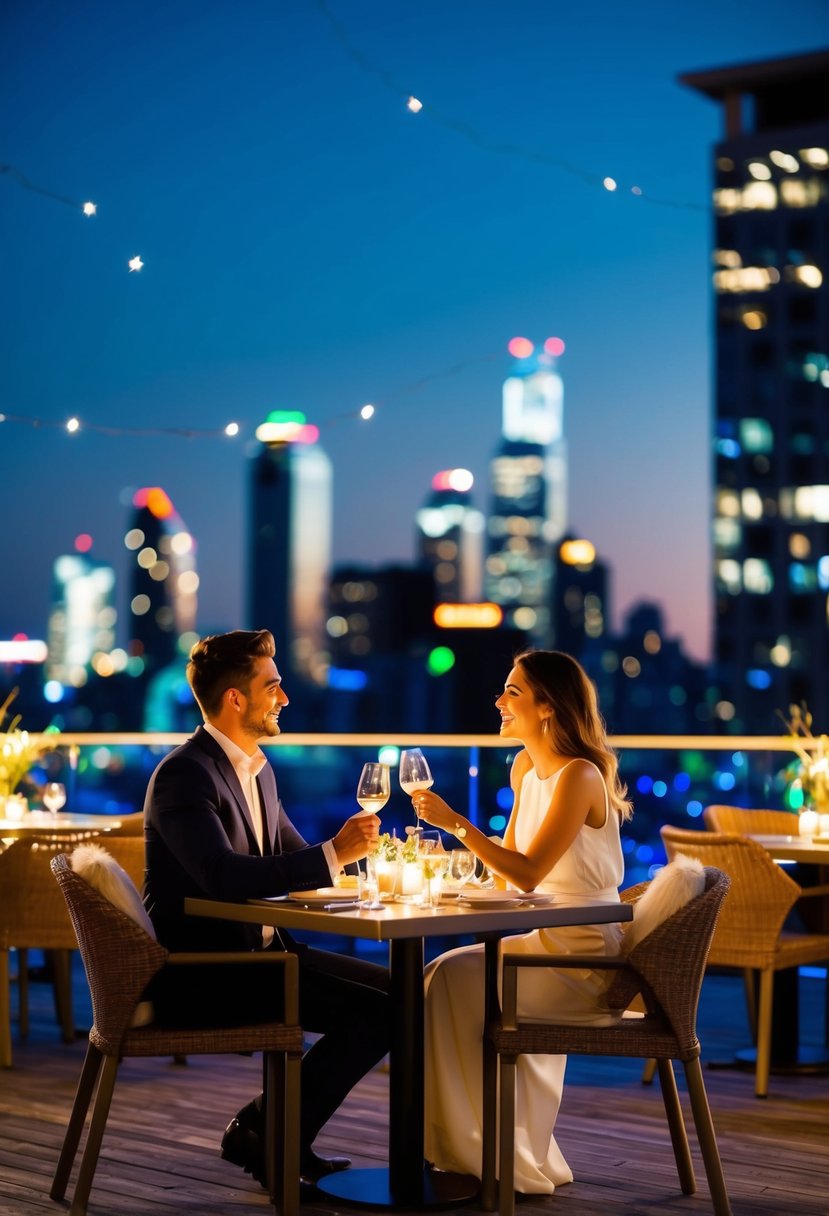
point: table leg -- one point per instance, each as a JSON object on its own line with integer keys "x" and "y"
{"x": 405, "y": 1184}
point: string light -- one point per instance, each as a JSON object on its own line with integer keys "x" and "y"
{"x": 414, "y": 105}
{"x": 472, "y": 135}
{"x": 135, "y": 264}
{"x": 90, "y": 208}
{"x": 232, "y": 429}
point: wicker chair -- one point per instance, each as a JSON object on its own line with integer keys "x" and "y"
{"x": 666, "y": 970}
{"x": 750, "y": 932}
{"x": 121, "y": 959}
{"x": 742, "y": 821}
{"x": 33, "y": 916}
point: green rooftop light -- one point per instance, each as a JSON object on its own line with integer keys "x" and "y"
{"x": 440, "y": 660}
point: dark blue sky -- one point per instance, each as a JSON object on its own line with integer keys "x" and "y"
{"x": 309, "y": 243}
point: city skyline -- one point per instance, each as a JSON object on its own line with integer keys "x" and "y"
{"x": 310, "y": 243}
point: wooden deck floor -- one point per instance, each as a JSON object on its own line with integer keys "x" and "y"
{"x": 160, "y": 1156}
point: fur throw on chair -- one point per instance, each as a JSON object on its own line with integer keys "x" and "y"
{"x": 682, "y": 880}
{"x": 103, "y": 872}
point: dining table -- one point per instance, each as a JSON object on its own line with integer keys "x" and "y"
{"x": 405, "y": 927}
{"x": 63, "y": 822}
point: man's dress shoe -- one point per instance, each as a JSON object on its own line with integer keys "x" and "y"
{"x": 242, "y": 1145}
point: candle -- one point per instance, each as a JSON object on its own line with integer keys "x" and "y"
{"x": 823, "y": 824}
{"x": 808, "y": 823}
{"x": 386, "y": 872}
{"x": 411, "y": 878}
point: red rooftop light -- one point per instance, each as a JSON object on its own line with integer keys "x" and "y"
{"x": 521, "y": 348}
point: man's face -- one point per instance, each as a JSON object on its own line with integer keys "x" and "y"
{"x": 264, "y": 700}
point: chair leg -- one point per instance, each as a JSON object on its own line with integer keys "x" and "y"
{"x": 751, "y": 1000}
{"x": 764, "y": 1016}
{"x": 707, "y": 1138}
{"x": 5, "y": 1011}
{"x": 289, "y": 1140}
{"x": 648, "y": 1072}
{"x": 489, "y": 1146}
{"x": 92, "y": 1148}
{"x": 274, "y": 1126}
{"x": 86, "y": 1086}
{"x": 23, "y": 992}
{"x": 676, "y": 1126}
{"x": 62, "y": 979}
{"x": 506, "y": 1137}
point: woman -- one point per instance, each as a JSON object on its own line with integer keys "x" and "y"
{"x": 563, "y": 838}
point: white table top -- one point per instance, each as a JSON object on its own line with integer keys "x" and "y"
{"x": 65, "y": 821}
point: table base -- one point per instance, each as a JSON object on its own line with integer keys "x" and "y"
{"x": 805, "y": 1062}
{"x": 370, "y": 1188}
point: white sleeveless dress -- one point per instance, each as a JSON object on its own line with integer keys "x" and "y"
{"x": 592, "y": 867}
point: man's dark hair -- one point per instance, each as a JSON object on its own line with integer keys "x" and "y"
{"x": 226, "y": 660}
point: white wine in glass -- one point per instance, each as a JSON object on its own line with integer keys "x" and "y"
{"x": 54, "y": 796}
{"x": 373, "y": 787}
{"x": 415, "y": 773}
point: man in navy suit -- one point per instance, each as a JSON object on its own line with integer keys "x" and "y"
{"x": 215, "y": 828}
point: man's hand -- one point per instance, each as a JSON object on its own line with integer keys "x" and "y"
{"x": 356, "y": 837}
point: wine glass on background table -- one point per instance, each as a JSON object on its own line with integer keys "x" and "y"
{"x": 373, "y": 787}
{"x": 54, "y": 796}
{"x": 461, "y": 869}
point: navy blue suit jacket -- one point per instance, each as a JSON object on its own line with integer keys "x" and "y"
{"x": 200, "y": 842}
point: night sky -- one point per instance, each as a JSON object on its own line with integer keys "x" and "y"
{"x": 310, "y": 243}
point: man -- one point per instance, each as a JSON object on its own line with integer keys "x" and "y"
{"x": 216, "y": 828}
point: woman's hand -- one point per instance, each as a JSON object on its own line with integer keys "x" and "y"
{"x": 434, "y": 810}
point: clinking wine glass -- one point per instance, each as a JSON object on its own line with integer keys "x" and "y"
{"x": 373, "y": 787}
{"x": 54, "y": 796}
{"x": 415, "y": 773}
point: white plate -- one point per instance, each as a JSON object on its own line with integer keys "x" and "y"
{"x": 490, "y": 899}
{"x": 322, "y": 895}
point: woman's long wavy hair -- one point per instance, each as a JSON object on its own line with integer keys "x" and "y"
{"x": 576, "y": 727}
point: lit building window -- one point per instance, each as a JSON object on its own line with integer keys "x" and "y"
{"x": 809, "y": 502}
{"x": 756, "y": 435}
{"x": 801, "y": 192}
{"x": 818, "y": 158}
{"x": 727, "y": 534}
{"x": 809, "y": 276}
{"x": 799, "y": 545}
{"x": 729, "y": 574}
{"x": 755, "y": 319}
{"x": 784, "y": 161}
{"x": 728, "y": 503}
{"x": 802, "y": 579}
{"x": 757, "y": 576}
{"x": 759, "y": 170}
{"x": 752, "y": 505}
{"x": 746, "y": 278}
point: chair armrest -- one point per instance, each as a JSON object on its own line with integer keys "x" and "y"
{"x": 289, "y": 963}
{"x": 590, "y": 962}
{"x": 512, "y": 962}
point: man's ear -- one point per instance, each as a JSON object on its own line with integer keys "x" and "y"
{"x": 233, "y": 700}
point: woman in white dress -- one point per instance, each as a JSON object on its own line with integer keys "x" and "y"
{"x": 562, "y": 838}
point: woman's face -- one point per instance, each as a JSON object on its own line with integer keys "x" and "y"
{"x": 521, "y": 714}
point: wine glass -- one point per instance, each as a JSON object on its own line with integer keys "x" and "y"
{"x": 373, "y": 787}
{"x": 433, "y": 860}
{"x": 461, "y": 868}
{"x": 369, "y": 884}
{"x": 54, "y": 796}
{"x": 415, "y": 773}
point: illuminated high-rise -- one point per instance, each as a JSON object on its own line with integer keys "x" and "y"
{"x": 289, "y": 530}
{"x": 162, "y": 583}
{"x": 450, "y": 533}
{"x": 528, "y": 512}
{"x": 81, "y": 620}
{"x": 771, "y": 427}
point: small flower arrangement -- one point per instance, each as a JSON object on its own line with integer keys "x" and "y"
{"x": 810, "y": 772}
{"x": 392, "y": 848}
{"x": 19, "y": 752}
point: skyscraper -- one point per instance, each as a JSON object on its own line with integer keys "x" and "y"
{"x": 529, "y": 490}
{"x": 289, "y": 532}
{"x": 450, "y": 537}
{"x": 163, "y": 583}
{"x": 82, "y": 618}
{"x": 771, "y": 432}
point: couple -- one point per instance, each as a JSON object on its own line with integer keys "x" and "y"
{"x": 215, "y": 827}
